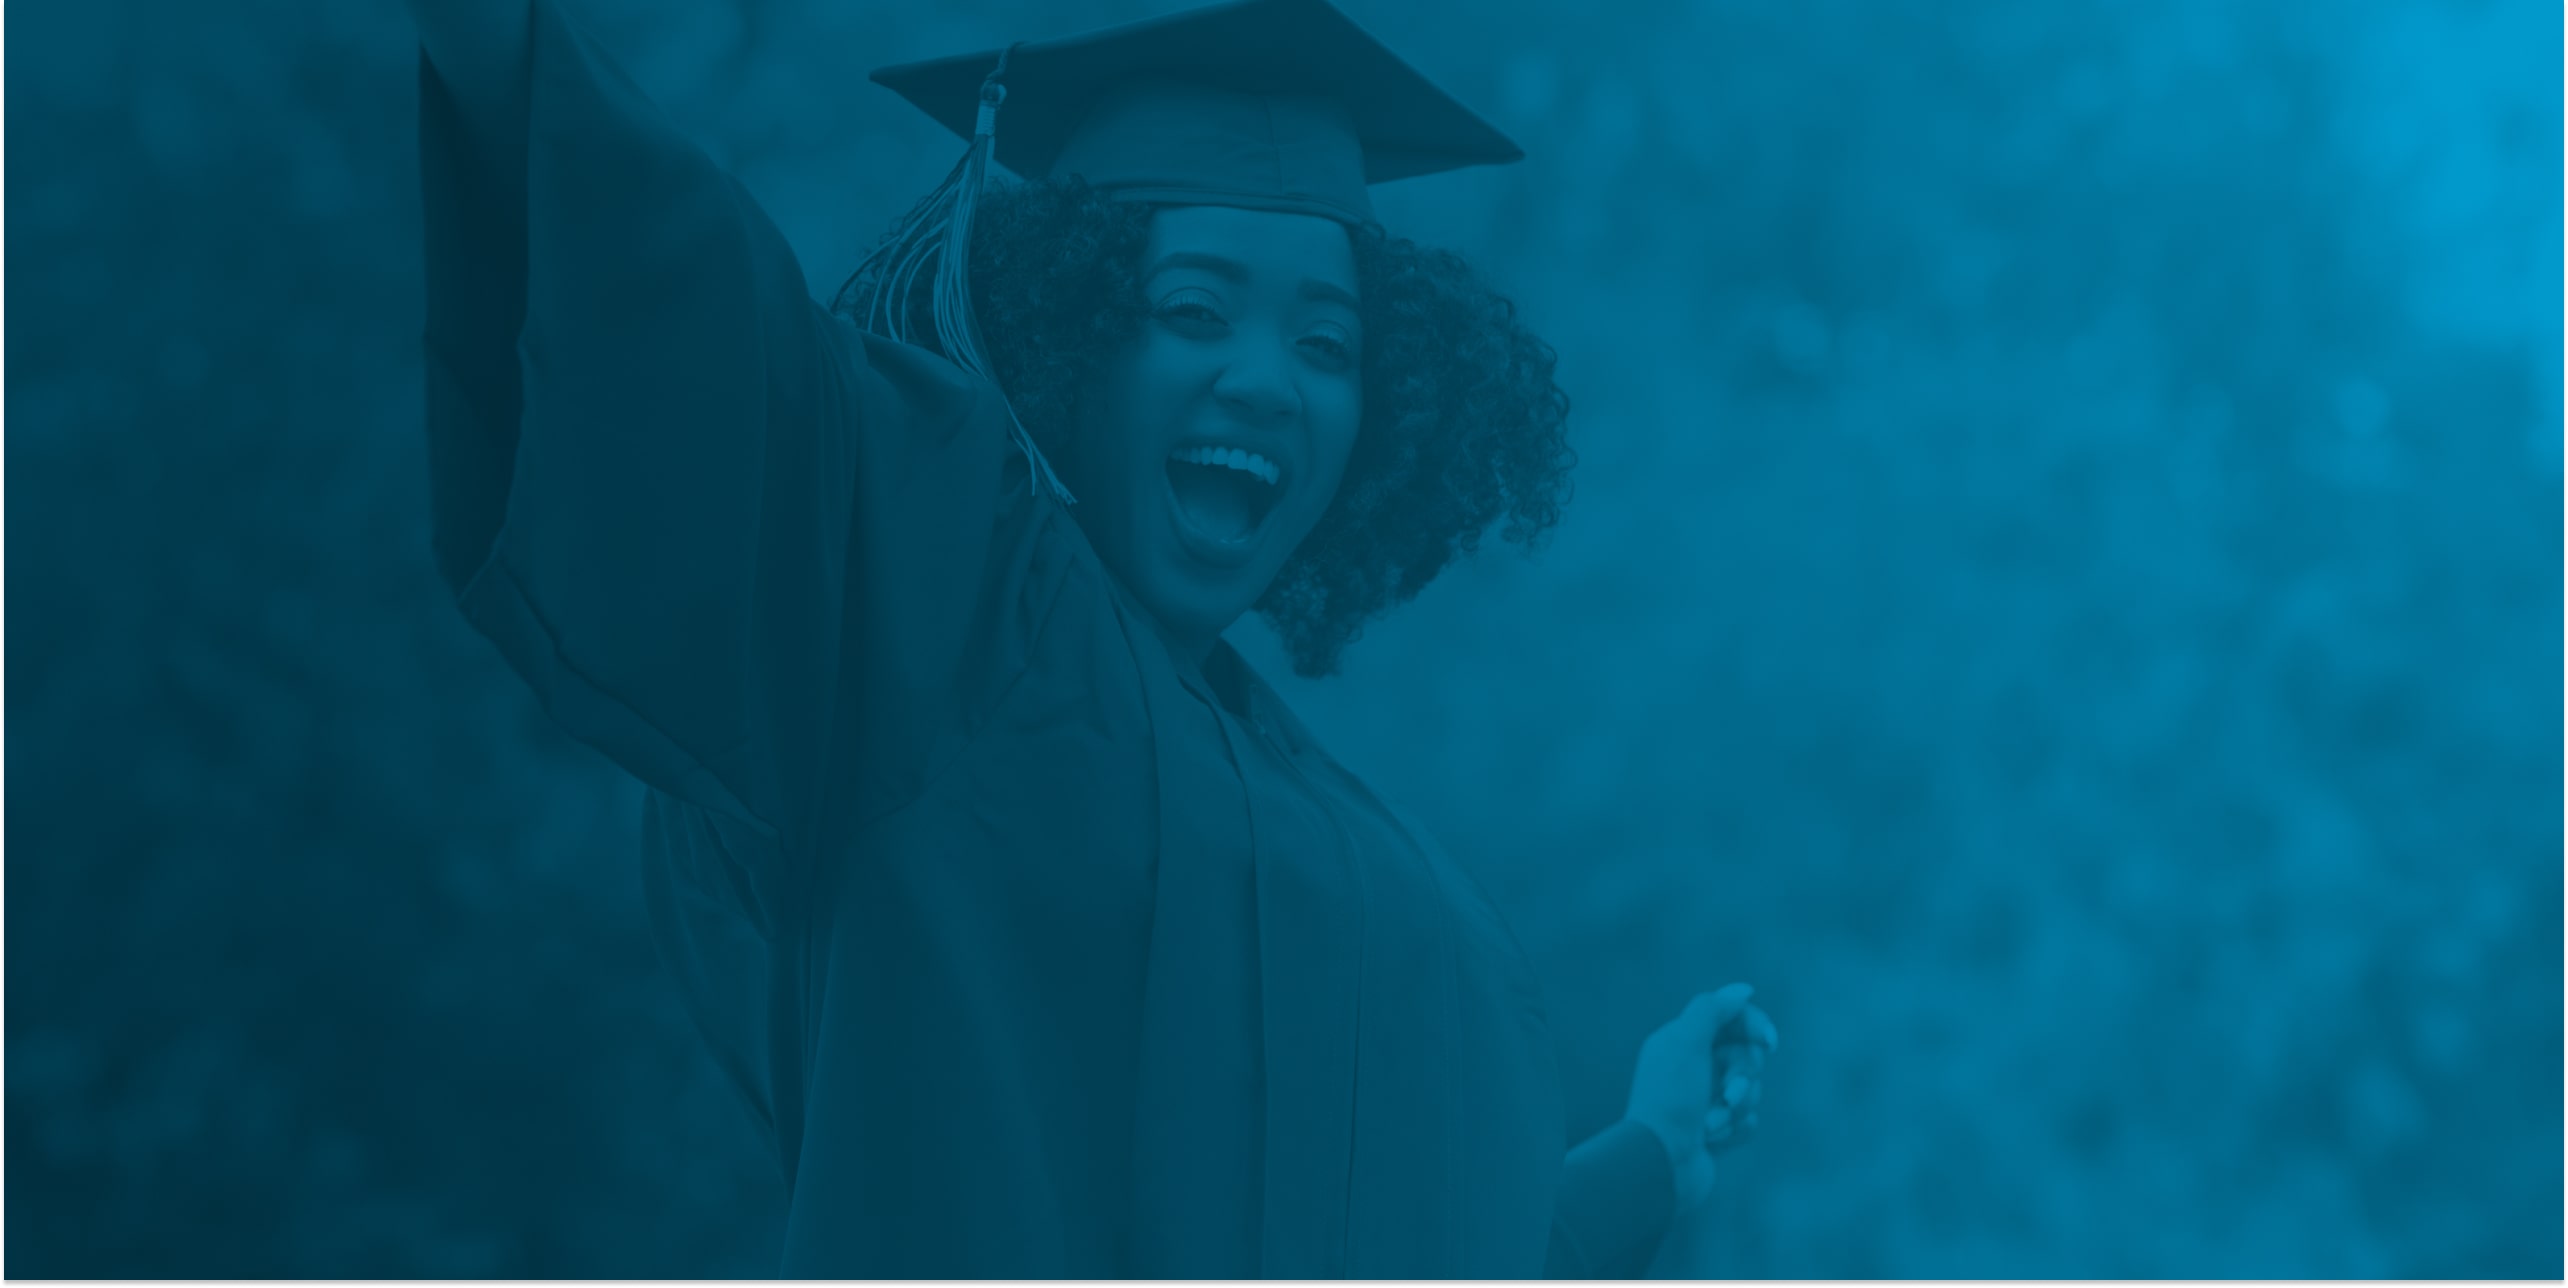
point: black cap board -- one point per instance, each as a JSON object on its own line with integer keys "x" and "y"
{"x": 1263, "y": 104}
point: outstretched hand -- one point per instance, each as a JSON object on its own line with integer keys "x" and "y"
{"x": 1698, "y": 1082}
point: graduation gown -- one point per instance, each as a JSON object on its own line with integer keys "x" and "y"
{"x": 1040, "y": 950}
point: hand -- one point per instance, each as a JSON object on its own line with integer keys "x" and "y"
{"x": 1698, "y": 1082}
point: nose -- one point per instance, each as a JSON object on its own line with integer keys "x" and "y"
{"x": 1257, "y": 385}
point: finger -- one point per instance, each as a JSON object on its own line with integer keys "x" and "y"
{"x": 1751, "y": 1027}
{"x": 1761, "y": 1029}
{"x": 1722, "y": 1132}
{"x": 1738, "y": 1074}
{"x": 1735, "y": 1089}
{"x": 1737, "y": 1059}
{"x": 1709, "y": 1011}
{"x": 1718, "y": 1124}
{"x": 1742, "y": 1096}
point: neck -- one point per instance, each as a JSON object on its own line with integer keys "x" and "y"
{"x": 1218, "y": 666}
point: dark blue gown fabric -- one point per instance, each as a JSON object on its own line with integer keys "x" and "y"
{"x": 1041, "y": 951}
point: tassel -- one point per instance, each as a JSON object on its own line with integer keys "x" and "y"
{"x": 939, "y": 229}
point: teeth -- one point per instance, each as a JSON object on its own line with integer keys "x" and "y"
{"x": 1232, "y": 458}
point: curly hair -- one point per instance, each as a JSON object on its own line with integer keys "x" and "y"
{"x": 1462, "y": 424}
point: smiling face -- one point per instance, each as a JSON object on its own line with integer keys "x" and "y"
{"x": 1212, "y": 443}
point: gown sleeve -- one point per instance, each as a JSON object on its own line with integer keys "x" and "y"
{"x": 700, "y": 516}
{"x": 1617, "y": 1195}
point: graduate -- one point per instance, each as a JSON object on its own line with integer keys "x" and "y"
{"x": 1042, "y": 939}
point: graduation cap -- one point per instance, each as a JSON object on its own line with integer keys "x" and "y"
{"x": 1279, "y": 105}
{"x": 1265, "y": 104}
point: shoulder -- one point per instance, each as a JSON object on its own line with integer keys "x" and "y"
{"x": 927, "y": 386}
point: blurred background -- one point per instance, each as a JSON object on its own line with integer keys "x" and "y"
{"x": 2063, "y": 594}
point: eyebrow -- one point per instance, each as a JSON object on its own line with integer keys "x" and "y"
{"x": 1232, "y": 270}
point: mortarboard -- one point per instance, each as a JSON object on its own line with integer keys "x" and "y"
{"x": 1266, "y": 104}
{"x": 1281, "y": 105}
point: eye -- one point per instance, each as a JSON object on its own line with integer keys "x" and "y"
{"x": 1332, "y": 347}
{"x": 1192, "y": 312}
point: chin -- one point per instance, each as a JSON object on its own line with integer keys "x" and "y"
{"x": 1193, "y": 586}
{"x": 1196, "y": 588}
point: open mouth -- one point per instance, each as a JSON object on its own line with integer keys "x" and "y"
{"x": 1224, "y": 493}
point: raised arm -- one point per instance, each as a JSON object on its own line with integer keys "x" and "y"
{"x": 712, "y": 527}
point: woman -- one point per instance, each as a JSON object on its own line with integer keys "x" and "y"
{"x": 1042, "y": 938}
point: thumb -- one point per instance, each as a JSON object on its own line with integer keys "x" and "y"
{"x": 1705, "y": 1015}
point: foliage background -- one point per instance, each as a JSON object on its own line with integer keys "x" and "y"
{"x": 2062, "y": 594}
